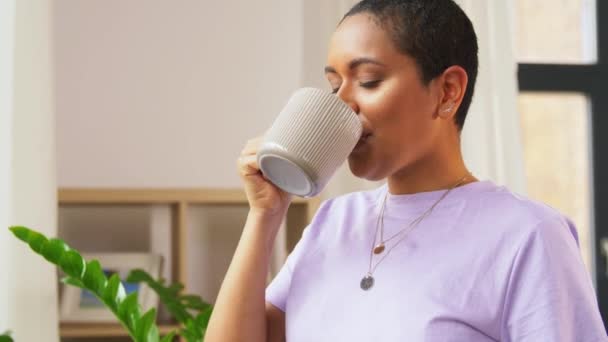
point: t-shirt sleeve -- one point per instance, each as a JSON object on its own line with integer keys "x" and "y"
{"x": 278, "y": 289}
{"x": 550, "y": 296}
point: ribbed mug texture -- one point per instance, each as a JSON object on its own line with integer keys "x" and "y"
{"x": 316, "y": 130}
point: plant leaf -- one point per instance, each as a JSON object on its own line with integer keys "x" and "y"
{"x": 128, "y": 310}
{"x": 177, "y": 287}
{"x": 36, "y": 241}
{"x": 195, "y": 332}
{"x": 22, "y": 233}
{"x": 53, "y": 250}
{"x": 189, "y": 335}
{"x": 73, "y": 264}
{"x": 144, "y": 329}
{"x": 193, "y": 302}
{"x": 138, "y": 276}
{"x": 153, "y": 334}
{"x": 114, "y": 292}
{"x": 169, "y": 337}
{"x": 202, "y": 319}
{"x": 89, "y": 276}
{"x": 179, "y": 305}
{"x": 168, "y": 295}
{"x": 94, "y": 278}
{"x": 72, "y": 281}
{"x": 6, "y": 337}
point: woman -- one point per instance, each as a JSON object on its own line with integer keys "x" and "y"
{"x": 433, "y": 255}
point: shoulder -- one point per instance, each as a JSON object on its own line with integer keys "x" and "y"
{"x": 512, "y": 203}
{"x": 521, "y": 215}
{"x": 545, "y": 268}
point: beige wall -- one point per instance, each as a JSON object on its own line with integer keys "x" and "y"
{"x": 158, "y": 94}
{"x": 165, "y": 94}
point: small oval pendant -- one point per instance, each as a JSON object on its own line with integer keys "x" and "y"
{"x": 379, "y": 249}
{"x": 367, "y": 282}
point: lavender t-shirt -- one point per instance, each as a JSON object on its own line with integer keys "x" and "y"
{"x": 485, "y": 265}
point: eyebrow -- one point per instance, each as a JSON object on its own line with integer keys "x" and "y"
{"x": 355, "y": 63}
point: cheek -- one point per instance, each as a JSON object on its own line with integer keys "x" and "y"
{"x": 399, "y": 112}
{"x": 402, "y": 120}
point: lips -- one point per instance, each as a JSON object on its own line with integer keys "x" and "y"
{"x": 364, "y": 137}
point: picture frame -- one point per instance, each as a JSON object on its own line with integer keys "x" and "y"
{"x": 78, "y": 305}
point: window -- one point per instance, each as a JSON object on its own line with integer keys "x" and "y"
{"x": 555, "y": 131}
{"x": 562, "y": 50}
{"x": 556, "y": 31}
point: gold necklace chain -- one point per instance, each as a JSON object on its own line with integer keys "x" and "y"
{"x": 415, "y": 222}
{"x": 368, "y": 281}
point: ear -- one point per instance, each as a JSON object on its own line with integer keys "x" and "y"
{"x": 453, "y": 84}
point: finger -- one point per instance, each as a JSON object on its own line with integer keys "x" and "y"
{"x": 248, "y": 165}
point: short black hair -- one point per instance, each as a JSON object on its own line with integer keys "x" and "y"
{"x": 436, "y": 33}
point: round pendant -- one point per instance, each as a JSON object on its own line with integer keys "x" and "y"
{"x": 367, "y": 282}
{"x": 379, "y": 248}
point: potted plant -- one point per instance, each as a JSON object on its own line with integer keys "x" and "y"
{"x": 189, "y": 310}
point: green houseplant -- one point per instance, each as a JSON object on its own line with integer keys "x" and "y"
{"x": 189, "y": 310}
{"x": 6, "y": 337}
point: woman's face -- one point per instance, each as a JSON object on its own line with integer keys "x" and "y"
{"x": 398, "y": 112}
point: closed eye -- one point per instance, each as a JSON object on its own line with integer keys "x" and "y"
{"x": 370, "y": 84}
{"x": 367, "y": 85}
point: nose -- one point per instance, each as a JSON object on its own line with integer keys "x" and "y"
{"x": 345, "y": 95}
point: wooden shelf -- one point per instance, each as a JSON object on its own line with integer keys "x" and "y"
{"x": 180, "y": 200}
{"x": 180, "y": 203}
{"x": 156, "y": 196}
{"x": 101, "y": 329}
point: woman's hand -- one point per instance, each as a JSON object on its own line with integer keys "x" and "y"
{"x": 264, "y": 197}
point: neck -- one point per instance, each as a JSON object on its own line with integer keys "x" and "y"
{"x": 439, "y": 170}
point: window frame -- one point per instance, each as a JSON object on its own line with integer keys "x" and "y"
{"x": 592, "y": 81}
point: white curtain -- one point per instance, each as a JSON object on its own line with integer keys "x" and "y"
{"x": 491, "y": 140}
{"x": 28, "y": 283}
{"x": 7, "y": 11}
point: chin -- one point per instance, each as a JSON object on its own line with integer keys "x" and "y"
{"x": 364, "y": 169}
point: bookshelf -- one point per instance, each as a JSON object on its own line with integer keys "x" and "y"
{"x": 180, "y": 203}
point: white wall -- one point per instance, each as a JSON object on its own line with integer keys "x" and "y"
{"x": 27, "y": 131}
{"x": 7, "y": 21}
{"x": 165, "y": 94}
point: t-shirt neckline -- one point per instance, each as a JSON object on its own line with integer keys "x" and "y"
{"x": 423, "y": 198}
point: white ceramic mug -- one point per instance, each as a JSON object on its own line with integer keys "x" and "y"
{"x": 309, "y": 140}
